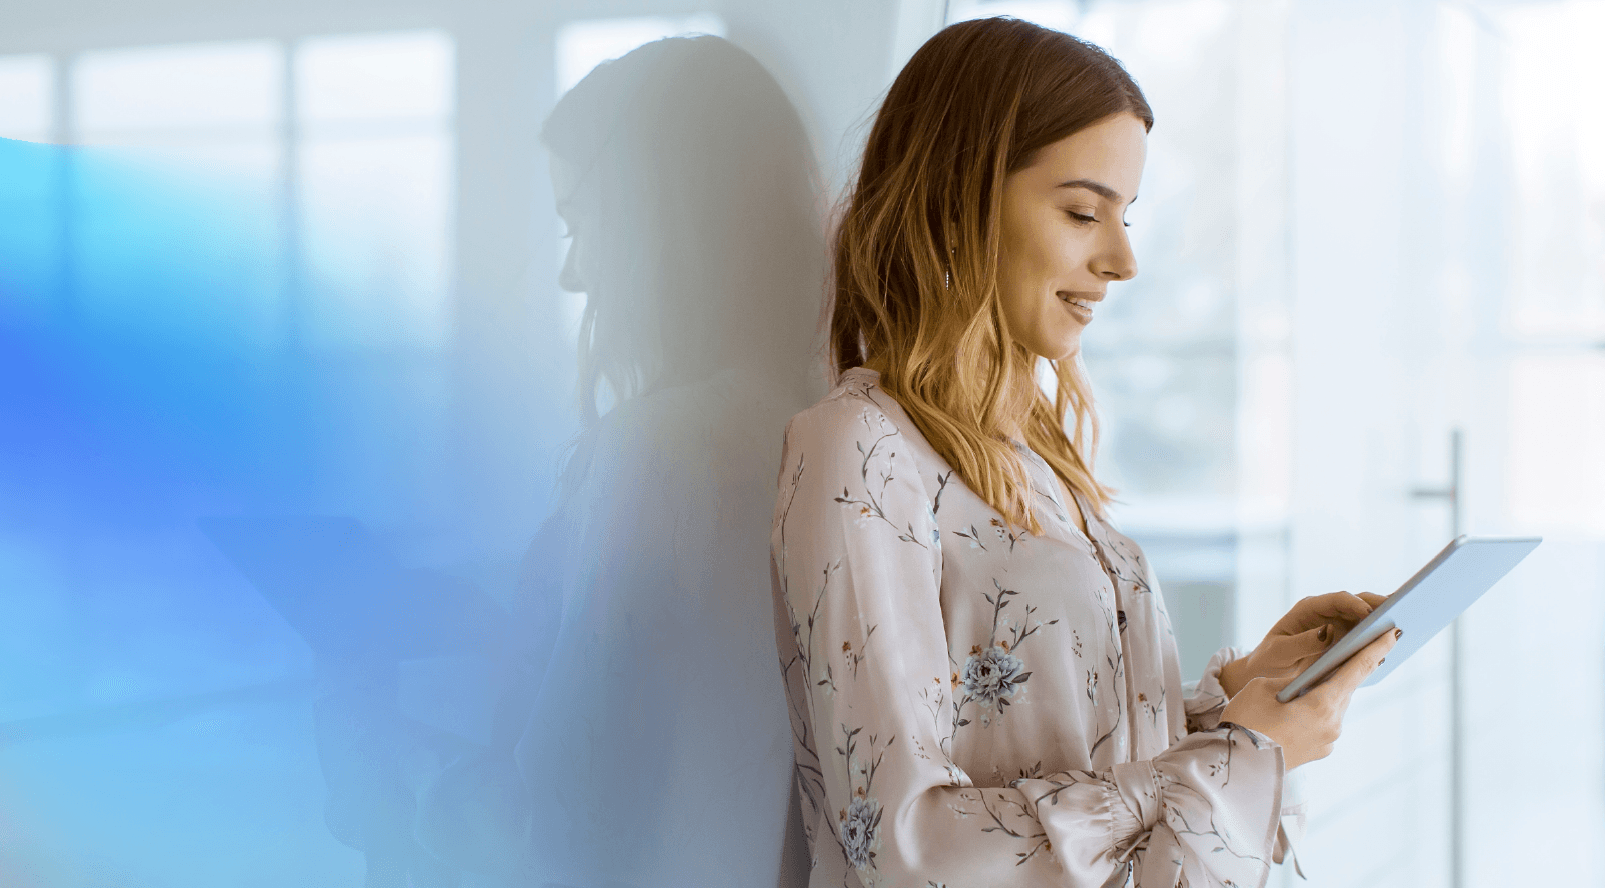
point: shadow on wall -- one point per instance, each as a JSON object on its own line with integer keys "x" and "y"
{"x": 648, "y": 729}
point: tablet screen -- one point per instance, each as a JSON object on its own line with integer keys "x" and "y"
{"x": 1426, "y": 604}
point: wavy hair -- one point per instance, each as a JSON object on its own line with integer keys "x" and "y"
{"x": 913, "y": 291}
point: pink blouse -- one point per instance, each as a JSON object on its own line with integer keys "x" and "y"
{"x": 973, "y": 705}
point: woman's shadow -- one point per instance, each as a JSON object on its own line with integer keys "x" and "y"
{"x": 647, "y": 726}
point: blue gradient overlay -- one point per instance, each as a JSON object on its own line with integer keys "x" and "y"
{"x": 213, "y": 551}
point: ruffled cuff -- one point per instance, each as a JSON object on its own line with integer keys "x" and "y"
{"x": 1087, "y": 823}
{"x": 1205, "y": 699}
{"x": 1204, "y": 811}
{"x": 1222, "y": 797}
{"x": 1137, "y": 800}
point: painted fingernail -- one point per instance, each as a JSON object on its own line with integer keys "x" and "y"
{"x": 1322, "y": 634}
{"x": 1381, "y": 661}
{"x": 1398, "y": 632}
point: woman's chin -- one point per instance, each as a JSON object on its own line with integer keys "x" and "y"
{"x": 1059, "y": 349}
{"x": 1069, "y": 350}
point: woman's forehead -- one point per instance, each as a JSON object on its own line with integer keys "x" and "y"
{"x": 1105, "y": 159}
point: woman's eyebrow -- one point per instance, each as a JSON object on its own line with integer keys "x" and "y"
{"x": 1097, "y": 188}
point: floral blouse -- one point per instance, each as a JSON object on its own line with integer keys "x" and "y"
{"x": 973, "y": 705}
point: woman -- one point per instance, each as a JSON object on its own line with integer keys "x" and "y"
{"x": 983, "y": 680}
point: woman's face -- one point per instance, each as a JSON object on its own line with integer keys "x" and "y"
{"x": 1064, "y": 235}
{"x": 565, "y": 188}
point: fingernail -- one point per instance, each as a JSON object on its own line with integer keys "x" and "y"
{"x": 1398, "y": 632}
{"x": 1322, "y": 634}
{"x": 1381, "y": 661}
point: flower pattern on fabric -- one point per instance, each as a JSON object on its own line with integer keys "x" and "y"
{"x": 859, "y": 825}
{"x": 1014, "y": 698}
{"x": 992, "y": 675}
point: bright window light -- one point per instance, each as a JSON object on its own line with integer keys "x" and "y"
{"x": 1060, "y": 15}
{"x": 583, "y": 45}
{"x": 212, "y": 107}
{"x": 395, "y": 76}
{"x": 1554, "y": 471}
{"x": 376, "y": 228}
{"x": 1554, "y": 82}
{"x": 375, "y": 159}
{"x": 25, "y": 97}
{"x": 1457, "y": 59}
{"x": 212, "y": 87}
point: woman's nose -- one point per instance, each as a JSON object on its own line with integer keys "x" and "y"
{"x": 1116, "y": 262}
{"x": 569, "y": 278}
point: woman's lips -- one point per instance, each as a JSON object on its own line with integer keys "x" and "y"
{"x": 1080, "y": 306}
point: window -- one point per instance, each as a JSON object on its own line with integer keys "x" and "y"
{"x": 27, "y": 90}
{"x": 190, "y": 154}
{"x": 374, "y": 161}
{"x": 319, "y": 177}
{"x": 1556, "y": 319}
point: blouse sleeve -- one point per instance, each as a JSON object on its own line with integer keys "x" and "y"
{"x": 857, "y": 576}
{"x": 1205, "y": 701}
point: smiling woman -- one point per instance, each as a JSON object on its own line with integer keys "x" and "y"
{"x": 969, "y": 646}
{"x": 965, "y": 199}
{"x": 1064, "y": 238}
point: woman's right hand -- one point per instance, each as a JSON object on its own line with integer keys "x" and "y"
{"x": 1307, "y": 726}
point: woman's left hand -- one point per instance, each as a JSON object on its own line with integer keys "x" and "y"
{"x": 1299, "y": 638}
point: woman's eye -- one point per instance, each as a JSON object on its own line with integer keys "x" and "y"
{"x": 1081, "y": 218}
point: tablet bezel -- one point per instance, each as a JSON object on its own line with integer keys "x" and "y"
{"x": 1377, "y": 622}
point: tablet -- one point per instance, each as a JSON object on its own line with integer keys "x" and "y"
{"x": 1423, "y": 606}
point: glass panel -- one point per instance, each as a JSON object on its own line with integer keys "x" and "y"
{"x": 376, "y": 222}
{"x": 25, "y": 97}
{"x": 1556, "y": 460}
{"x": 199, "y": 87}
{"x": 374, "y": 77}
{"x": 200, "y": 163}
{"x": 1558, "y": 154}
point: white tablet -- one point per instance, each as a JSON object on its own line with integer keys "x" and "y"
{"x": 1423, "y": 606}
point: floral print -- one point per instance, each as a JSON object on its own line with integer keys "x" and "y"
{"x": 860, "y": 824}
{"x": 972, "y": 704}
{"x": 992, "y": 676}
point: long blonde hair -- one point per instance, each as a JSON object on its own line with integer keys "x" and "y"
{"x": 913, "y": 290}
